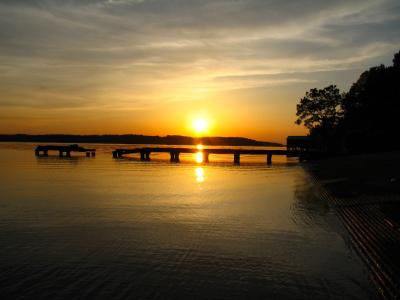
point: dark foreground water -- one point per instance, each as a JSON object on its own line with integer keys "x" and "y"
{"x": 102, "y": 228}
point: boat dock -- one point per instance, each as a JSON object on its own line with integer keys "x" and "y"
{"x": 175, "y": 152}
{"x": 63, "y": 150}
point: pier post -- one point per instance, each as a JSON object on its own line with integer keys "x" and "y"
{"x": 37, "y": 152}
{"x": 93, "y": 153}
{"x": 269, "y": 159}
{"x": 205, "y": 157}
{"x": 114, "y": 153}
{"x": 174, "y": 156}
{"x": 142, "y": 158}
{"x": 61, "y": 153}
{"x": 87, "y": 154}
{"x": 236, "y": 158}
{"x": 68, "y": 154}
{"x": 147, "y": 156}
{"x": 45, "y": 153}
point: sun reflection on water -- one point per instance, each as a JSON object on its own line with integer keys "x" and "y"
{"x": 199, "y": 171}
{"x": 199, "y": 157}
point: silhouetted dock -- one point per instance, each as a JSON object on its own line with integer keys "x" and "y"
{"x": 63, "y": 150}
{"x": 175, "y": 152}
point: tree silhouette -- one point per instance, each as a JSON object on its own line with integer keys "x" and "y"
{"x": 372, "y": 108}
{"x": 396, "y": 60}
{"x": 363, "y": 120}
{"x": 320, "y": 108}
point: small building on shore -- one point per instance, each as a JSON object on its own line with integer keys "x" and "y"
{"x": 298, "y": 143}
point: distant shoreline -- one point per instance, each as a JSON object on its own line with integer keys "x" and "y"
{"x": 136, "y": 139}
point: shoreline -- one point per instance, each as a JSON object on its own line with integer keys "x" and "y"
{"x": 137, "y": 139}
{"x": 365, "y": 192}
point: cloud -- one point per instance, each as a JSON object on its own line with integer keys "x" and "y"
{"x": 136, "y": 52}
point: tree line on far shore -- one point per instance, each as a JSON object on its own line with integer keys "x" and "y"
{"x": 135, "y": 139}
{"x": 364, "y": 119}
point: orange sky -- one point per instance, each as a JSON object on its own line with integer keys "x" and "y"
{"x": 153, "y": 67}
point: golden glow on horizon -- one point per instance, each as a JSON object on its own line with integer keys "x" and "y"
{"x": 200, "y": 147}
{"x": 219, "y": 77}
{"x": 199, "y": 171}
{"x": 222, "y": 120}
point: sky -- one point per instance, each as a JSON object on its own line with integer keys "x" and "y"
{"x": 160, "y": 67}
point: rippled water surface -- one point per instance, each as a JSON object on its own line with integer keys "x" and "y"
{"x": 106, "y": 228}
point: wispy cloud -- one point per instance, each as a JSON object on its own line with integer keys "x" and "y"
{"x": 137, "y": 53}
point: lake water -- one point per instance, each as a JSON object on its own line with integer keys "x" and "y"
{"x": 103, "y": 228}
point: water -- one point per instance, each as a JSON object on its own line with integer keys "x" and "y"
{"x": 102, "y": 228}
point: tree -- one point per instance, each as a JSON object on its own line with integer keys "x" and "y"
{"x": 396, "y": 60}
{"x": 365, "y": 119}
{"x": 320, "y": 108}
{"x": 372, "y": 109}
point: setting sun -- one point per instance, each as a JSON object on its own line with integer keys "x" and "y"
{"x": 200, "y": 149}
{"x": 200, "y": 125}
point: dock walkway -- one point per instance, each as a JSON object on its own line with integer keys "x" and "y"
{"x": 44, "y": 150}
{"x": 175, "y": 152}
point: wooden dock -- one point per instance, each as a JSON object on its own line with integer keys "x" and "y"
{"x": 175, "y": 152}
{"x": 63, "y": 150}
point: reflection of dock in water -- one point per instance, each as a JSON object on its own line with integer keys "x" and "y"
{"x": 175, "y": 152}
{"x": 63, "y": 150}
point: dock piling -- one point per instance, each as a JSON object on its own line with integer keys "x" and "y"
{"x": 174, "y": 156}
{"x": 147, "y": 156}
{"x": 236, "y": 158}
{"x": 269, "y": 159}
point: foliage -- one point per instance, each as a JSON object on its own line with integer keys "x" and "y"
{"x": 372, "y": 109}
{"x": 364, "y": 119}
{"x": 396, "y": 60}
{"x": 320, "y": 108}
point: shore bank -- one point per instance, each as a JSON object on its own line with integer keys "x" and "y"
{"x": 365, "y": 191}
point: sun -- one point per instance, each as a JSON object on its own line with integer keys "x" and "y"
{"x": 200, "y": 125}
